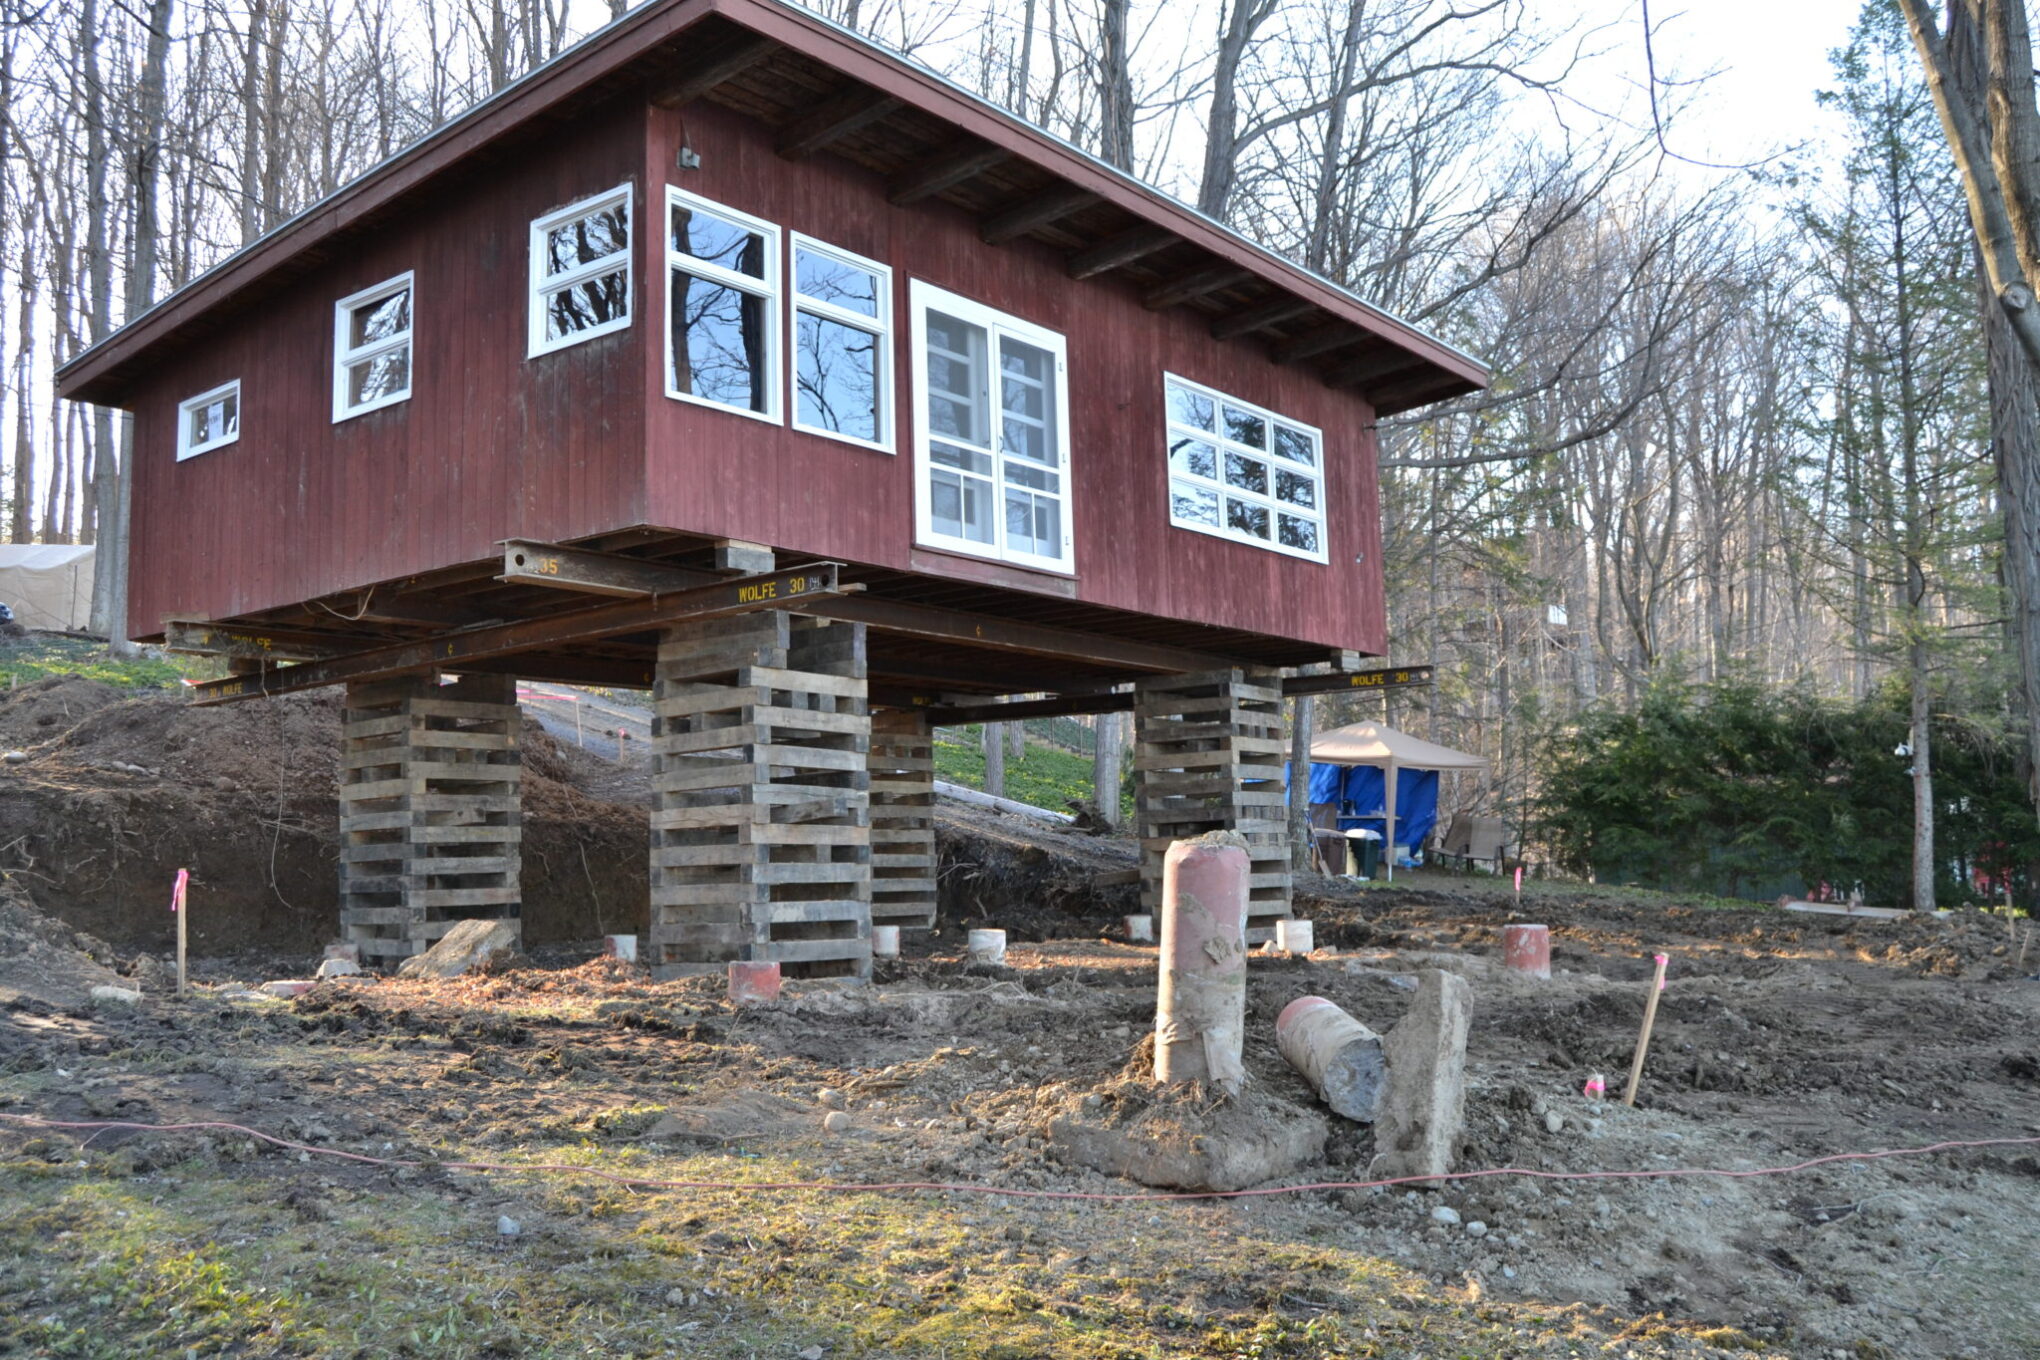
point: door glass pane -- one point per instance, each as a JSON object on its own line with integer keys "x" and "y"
{"x": 960, "y": 506}
{"x": 1295, "y": 445}
{"x": 1027, "y": 401}
{"x": 384, "y": 375}
{"x": 1244, "y": 427}
{"x": 1193, "y": 504}
{"x": 1033, "y": 523}
{"x": 379, "y": 320}
{"x": 586, "y": 239}
{"x": 719, "y": 343}
{"x": 959, "y": 384}
{"x": 1195, "y": 456}
{"x": 1190, "y": 408}
{"x": 708, "y": 236}
{"x": 1246, "y": 473}
{"x": 836, "y": 377}
{"x": 585, "y": 305}
{"x": 1298, "y": 533}
{"x": 1246, "y": 518}
{"x": 828, "y": 279}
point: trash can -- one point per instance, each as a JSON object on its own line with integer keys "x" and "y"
{"x": 1363, "y": 852}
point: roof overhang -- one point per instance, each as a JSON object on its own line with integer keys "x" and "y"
{"x": 822, "y": 87}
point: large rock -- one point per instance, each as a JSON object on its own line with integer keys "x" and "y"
{"x": 1424, "y": 1106}
{"x": 468, "y": 945}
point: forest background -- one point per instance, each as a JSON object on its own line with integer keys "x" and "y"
{"x": 1714, "y": 571}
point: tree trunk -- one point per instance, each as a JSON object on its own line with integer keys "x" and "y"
{"x": 1922, "y": 767}
{"x": 1115, "y": 87}
{"x": 1107, "y": 764}
{"x": 1302, "y": 724}
{"x": 993, "y": 742}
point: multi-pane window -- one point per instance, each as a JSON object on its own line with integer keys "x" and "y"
{"x": 992, "y": 432}
{"x": 842, "y": 344}
{"x": 1243, "y": 473}
{"x": 722, "y": 344}
{"x": 209, "y": 420}
{"x": 372, "y": 348}
{"x": 581, "y": 271}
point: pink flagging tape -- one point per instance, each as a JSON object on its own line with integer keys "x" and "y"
{"x": 177, "y": 891}
{"x": 959, "y": 1187}
{"x": 1662, "y": 961}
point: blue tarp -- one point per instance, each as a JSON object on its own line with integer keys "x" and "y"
{"x": 1360, "y": 791}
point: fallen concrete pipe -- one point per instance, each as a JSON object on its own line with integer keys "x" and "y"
{"x": 1340, "y": 1057}
{"x": 1201, "y": 998}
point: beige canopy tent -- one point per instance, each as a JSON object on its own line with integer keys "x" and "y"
{"x": 1381, "y": 746}
{"x": 47, "y": 585}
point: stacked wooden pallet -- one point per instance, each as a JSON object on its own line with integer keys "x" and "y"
{"x": 430, "y": 826}
{"x": 1208, "y": 756}
{"x": 902, "y": 820}
{"x": 761, "y": 834}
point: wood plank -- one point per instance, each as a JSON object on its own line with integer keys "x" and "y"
{"x": 553, "y": 630}
{"x": 1276, "y": 310}
{"x": 724, "y": 64}
{"x": 1033, "y": 212}
{"x": 1195, "y": 284}
{"x": 944, "y": 171}
{"x": 835, "y": 118}
{"x": 1114, "y": 251}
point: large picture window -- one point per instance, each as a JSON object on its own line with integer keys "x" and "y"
{"x": 581, "y": 271}
{"x": 1243, "y": 473}
{"x": 372, "y": 348}
{"x": 209, "y": 420}
{"x": 991, "y": 432}
{"x": 722, "y": 340}
{"x": 842, "y": 345}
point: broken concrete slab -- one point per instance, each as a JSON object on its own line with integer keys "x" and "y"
{"x": 468, "y": 945}
{"x": 110, "y": 995}
{"x": 1182, "y": 1145}
{"x": 1424, "y": 1104}
{"x": 288, "y": 987}
{"x": 337, "y": 967}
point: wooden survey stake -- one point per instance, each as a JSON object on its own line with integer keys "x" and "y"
{"x": 177, "y": 905}
{"x": 1657, "y": 985}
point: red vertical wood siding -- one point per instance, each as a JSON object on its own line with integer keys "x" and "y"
{"x": 493, "y": 445}
{"x": 490, "y": 445}
{"x": 712, "y": 472}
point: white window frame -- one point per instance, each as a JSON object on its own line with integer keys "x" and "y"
{"x": 768, "y": 288}
{"x": 543, "y": 286}
{"x": 1274, "y": 461}
{"x": 879, "y": 327}
{"x": 185, "y": 409}
{"x": 345, "y": 359}
{"x": 924, "y": 297}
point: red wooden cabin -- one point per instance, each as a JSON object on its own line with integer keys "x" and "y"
{"x": 722, "y": 325}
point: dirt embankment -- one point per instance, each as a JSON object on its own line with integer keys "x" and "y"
{"x": 118, "y": 792}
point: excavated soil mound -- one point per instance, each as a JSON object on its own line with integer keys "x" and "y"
{"x": 119, "y": 792}
{"x": 44, "y": 962}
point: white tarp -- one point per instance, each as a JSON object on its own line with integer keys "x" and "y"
{"x": 1378, "y": 744}
{"x": 47, "y": 585}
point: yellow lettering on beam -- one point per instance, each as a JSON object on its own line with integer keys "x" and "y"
{"x": 764, "y": 590}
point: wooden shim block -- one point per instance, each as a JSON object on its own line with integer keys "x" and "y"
{"x": 706, "y": 856}
{"x": 840, "y": 872}
{"x": 838, "y": 909}
{"x": 695, "y": 700}
{"x": 428, "y": 707}
{"x": 810, "y": 758}
{"x": 444, "y": 865}
{"x": 377, "y": 852}
{"x": 804, "y": 682}
{"x": 705, "y": 894}
{"x": 376, "y": 916}
{"x": 811, "y": 951}
{"x": 430, "y": 898}
{"x": 704, "y": 773}
{"x": 466, "y": 835}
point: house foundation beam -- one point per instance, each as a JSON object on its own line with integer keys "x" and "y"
{"x": 761, "y": 810}
{"x": 902, "y": 820}
{"x": 431, "y": 823}
{"x": 1208, "y": 755}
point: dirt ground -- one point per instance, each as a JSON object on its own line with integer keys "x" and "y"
{"x": 1781, "y": 1039}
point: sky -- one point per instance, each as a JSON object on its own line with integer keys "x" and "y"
{"x": 1768, "y": 57}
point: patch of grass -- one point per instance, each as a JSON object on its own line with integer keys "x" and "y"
{"x": 1045, "y": 776}
{"x": 40, "y": 655}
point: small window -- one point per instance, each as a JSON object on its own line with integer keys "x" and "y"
{"x": 1243, "y": 473}
{"x": 991, "y": 432}
{"x": 723, "y": 319}
{"x": 209, "y": 420}
{"x": 842, "y": 345}
{"x": 581, "y": 272}
{"x": 372, "y": 348}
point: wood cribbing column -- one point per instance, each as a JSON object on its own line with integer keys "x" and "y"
{"x": 902, "y": 820}
{"x": 761, "y": 812}
{"x": 1208, "y": 756}
{"x": 431, "y": 825}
